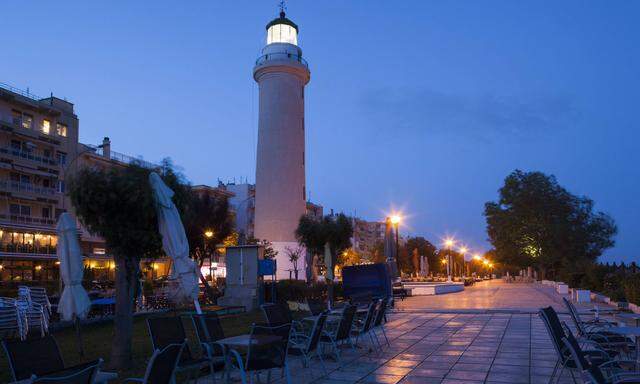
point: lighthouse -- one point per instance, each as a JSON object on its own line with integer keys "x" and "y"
{"x": 280, "y": 201}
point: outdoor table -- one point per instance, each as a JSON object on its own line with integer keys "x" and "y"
{"x": 630, "y": 331}
{"x": 243, "y": 342}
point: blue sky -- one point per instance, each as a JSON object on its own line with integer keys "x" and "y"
{"x": 420, "y": 105}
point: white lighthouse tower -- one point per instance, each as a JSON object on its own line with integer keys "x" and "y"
{"x": 281, "y": 74}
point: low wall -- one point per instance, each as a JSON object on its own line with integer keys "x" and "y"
{"x": 428, "y": 289}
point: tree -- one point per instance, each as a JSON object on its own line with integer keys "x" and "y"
{"x": 423, "y": 247}
{"x": 377, "y": 255}
{"x": 118, "y": 205}
{"x": 207, "y": 223}
{"x": 349, "y": 257}
{"x": 294, "y": 256}
{"x": 333, "y": 230}
{"x": 536, "y": 222}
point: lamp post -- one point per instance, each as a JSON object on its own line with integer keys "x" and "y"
{"x": 448, "y": 243}
{"x": 463, "y": 251}
{"x": 395, "y": 220}
{"x": 208, "y": 234}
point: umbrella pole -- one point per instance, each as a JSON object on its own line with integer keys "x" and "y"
{"x": 79, "y": 336}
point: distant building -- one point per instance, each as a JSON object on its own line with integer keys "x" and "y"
{"x": 366, "y": 234}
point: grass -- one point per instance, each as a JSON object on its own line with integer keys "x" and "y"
{"x": 97, "y": 340}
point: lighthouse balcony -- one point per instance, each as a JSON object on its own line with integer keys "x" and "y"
{"x": 281, "y": 56}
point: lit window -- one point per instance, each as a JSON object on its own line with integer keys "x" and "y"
{"x": 99, "y": 251}
{"x": 62, "y": 158}
{"x": 46, "y": 126}
{"x": 27, "y": 121}
{"x": 282, "y": 33}
{"x": 61, "y": 130}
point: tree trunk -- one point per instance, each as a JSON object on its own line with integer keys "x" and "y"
{"x": 207, "y": 288}
{"x": 123, "y": 321}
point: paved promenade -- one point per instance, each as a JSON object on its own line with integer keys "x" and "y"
{"x": 489, "y": 295}
{"x": 456, "y": 338}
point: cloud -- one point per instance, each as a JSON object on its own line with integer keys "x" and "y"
{"x": 483, "y": 116}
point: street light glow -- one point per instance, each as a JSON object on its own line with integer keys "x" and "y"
{"x": 463, "y": 250}
{"x": 444, "y": 261}
{"x": 477, "y": 257}
{"x": 208, "y": 234}
{"x": 449, "y": 242}
{"x": 485, "y": 262}
{"x": 395, "y": 219}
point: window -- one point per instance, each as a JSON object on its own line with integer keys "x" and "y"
{"x": 15, "y": 144}
{"x": 15, "y": 177}
{"x": 25, "y": 179}
{"x": 60, "y": 186}
{"x": 61, "y": 130}
{"x": 282, "y": 33}
{"x": 46, "y": 183}
{"x": 46, "y": 212}
{"x": 17, "y": 117}
{"x": 46, "y": 153}
{"x": 18, "y": 209}
{"x": 27, "y": 121}
{"x": 62, "y": 158}
{"x": 46, "y": 126}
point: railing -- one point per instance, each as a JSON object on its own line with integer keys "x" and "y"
{"x": 26, "y": 187}
{"x": 21, "y": 92}
{"x": 281, "y": 56}
{"x": 28, "y": 155}
{"x": 122, "y": 158}
{"x": 20, "y": 219}
{"x": 28, "y": 248}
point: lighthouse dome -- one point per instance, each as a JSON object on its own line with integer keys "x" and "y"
{"x": 282, "y": 30}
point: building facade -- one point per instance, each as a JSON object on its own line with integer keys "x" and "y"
{"x": 366, "y": 235}
{"x": 38, "y": 138}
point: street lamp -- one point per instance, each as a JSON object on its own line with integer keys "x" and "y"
{"x": 395, "y": 220}
{"x": 463, "y": 251}
{"x": 208, "y": 234}
{"x": 448, "y": 243}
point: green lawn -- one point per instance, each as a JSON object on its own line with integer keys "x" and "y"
{"x": 97, "y": 340}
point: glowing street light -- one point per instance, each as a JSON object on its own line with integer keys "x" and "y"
{"x": 463, "y": 251}
{"x": 395, "y": 221}
{"x": 208, "y": 234}
{"x": 448, "y": 243}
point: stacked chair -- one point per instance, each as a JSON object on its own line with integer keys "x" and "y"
{"x": 33, "y": 313}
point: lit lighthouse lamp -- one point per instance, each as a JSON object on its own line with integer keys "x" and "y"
{"x": 282, "y": 30}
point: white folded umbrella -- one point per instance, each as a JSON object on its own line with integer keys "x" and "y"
{"x": 74, "y": 301}
{"x": 175, "y": 244}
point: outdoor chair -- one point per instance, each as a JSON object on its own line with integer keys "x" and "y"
{"x": 81, "y": 374}
{"x": 276, "y": 314}
{"x": 362, "y": 326}
{"x": 162, "y": 366}
{"x": 604, "y": 373}
{"x": 33, "y": 313}
{"x": 41, "y": 357}
{"x": 557, "y": 333}
{"x": 39, "y": 296}
{"x": 378, "y": 321}
{"x": 165, "y": 331}
{"x": 11, "y": 323}
{"x": 597, "y": 330}
{"x": 337, "y": 330}
{"x": 263, "y": 356}
{"x": 305, "y": 342}
{"x": 316, "y": 306}
{"x": 209, "y": 330}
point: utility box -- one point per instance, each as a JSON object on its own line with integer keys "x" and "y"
{"x": 242, "y": 276}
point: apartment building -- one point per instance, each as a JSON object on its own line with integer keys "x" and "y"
{"x": 38, "y": 138}
{"x": 366, "y": 234}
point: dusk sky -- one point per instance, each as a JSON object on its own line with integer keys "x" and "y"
{"x": 419, "y": 105}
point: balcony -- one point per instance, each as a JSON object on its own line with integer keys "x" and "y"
{"x": 122, "y": 158}
{"x": 18, "y": 153}
{"x": 281, "y": 56}
{"x": 27, "y": 220}
{"x": 15, "y": 186}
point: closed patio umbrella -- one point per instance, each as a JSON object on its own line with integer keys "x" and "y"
{"x": 175, "y": 244}
{"x": 74, "y": 302}
{"x": 390, "y": 249}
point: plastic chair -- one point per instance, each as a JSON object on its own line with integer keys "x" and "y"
{"x": 81, "y": 374}
{"x": 261, "y": 356}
